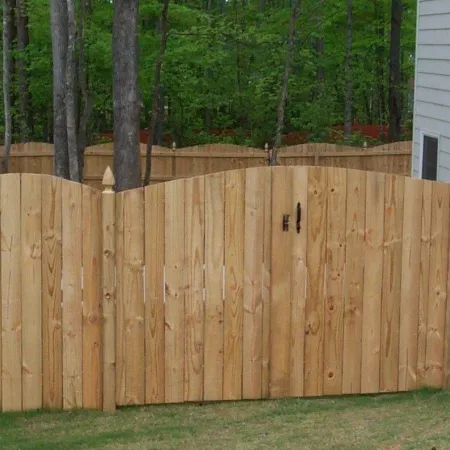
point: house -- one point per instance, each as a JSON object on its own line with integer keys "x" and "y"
{"x": 431, "y": 133}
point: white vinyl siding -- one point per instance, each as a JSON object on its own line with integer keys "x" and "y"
{"x": 432, "y": 83}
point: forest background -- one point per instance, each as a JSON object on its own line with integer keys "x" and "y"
{"x": 240, "y": 71}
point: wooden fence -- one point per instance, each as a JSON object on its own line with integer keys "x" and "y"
{"x": 254, "y": 283}
{"x": 168, "y": 164}
{"x": 51, "y": 281}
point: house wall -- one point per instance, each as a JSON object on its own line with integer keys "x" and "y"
{"x": 432, "y": 83}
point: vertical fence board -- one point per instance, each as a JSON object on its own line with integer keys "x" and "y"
{"x": 11, "y": 294}
{"x": 132, "y": 299}
{"x": 392, "y": 279}
{"x": 447, "y": 335}
{"x": 92, "y": 298}
{"x": 154, "y": 304}
{"x": 373, "y": 281}
{"x": 214, "y": 260}
{"x": 120, "y": 303}
{"x": 1, "y": 313}
{"x": 354, "y": 281}
{"x": 434, "y": 372}
{"x": 234, "y": 284}
{"x": 253, "y": 284}
{"x": 175, "y": 291}
{"x": 267, "y": 282}
{"x": 195, "y": 259}
{"x": 72, "y": 294}
{"x": 51, "y": 295}
{"x": 424, "y": 280}
{"x": 335, "y": 260}
{"x": 109, "y": 294}
{"x": 31, "y": 222}
{"x": 316, "y": 257}
{"x": 280, "y": 308}
{"x": 299, "y": 280}
{"x": 410, "y": 286}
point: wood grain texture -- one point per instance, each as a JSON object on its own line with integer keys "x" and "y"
{"x": 234, "y": 284}
{"x": 410, "y": 286}
{"x": 354, "y": 281}
{"x": 316, "y": 257}
{"x": 434, "y": 370}
{"x": 373, "y": 282}
{"x": 154, "y": 286}
{"x": 392, "y": 279}
{"x": 335, "y": 260}
{"x": 253, "y": 284}
{"x": 280, "y": 307}
{"x": 298, "y": 280}
{"x": 267, "y": 282}
{"x": 424, "y": 281}
{"x": 194, "y": 307}
{"x": 31, "y": 232}
{"x": 120, "y": 303}
{"x": 175, "y": 283}
{"x": 132, "y": 299}
{"x": 109, "y": 300}
{"x": 92, "y": 298}
{"x": 11, "y": 259}
{"x": 214, "y": 261}
{"x": 72, "y": 242}
{"x": 446, "y": 382}
{"x": 52, "y": 351}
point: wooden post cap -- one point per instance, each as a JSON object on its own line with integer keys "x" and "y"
{"x": 108, "y": 180}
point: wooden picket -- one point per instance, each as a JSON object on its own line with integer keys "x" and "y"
{"x": 253, "y": 283}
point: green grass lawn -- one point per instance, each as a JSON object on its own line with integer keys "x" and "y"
{"x": 403, "y": 421}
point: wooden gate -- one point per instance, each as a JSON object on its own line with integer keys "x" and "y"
{"x": 275, "y": 282}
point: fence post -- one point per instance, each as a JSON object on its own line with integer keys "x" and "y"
{"x": 109, "y": 292}
{"x": 174, "y": 160}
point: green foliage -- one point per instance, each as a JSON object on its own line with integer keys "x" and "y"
{"x": 224, "y": 70}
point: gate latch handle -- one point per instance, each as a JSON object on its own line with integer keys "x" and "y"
{"x": 299, "y": 216}
{"x": 285, "y": 222}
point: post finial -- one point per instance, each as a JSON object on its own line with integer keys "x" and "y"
{"x": 266, "y": 147}
{"x": 174, "y": 145}
{"x": 108, "y": 180}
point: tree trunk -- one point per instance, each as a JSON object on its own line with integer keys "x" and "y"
{"x": 71, "y": 93}
{"x": 284, "y": 86}
{"x": 160, "y": 118}
{"x": 319, "y": 49}
{"x": 25, "y": 105}
{"x": 127, "y": 162}
{"x": 59, "y": 23}
{"x": 84, "y": 86}
{"x": 395, "y": 110}
{"x": 7, "y": 70}
{"x": 156, "y": 92}
{"x": 380, "y": 67}
{"x": 348, "y": 74}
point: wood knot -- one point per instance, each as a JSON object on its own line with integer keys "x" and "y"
{"x": 92, "y": 318}
{"x": 313, "y": 324}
